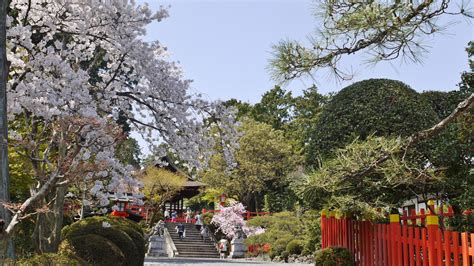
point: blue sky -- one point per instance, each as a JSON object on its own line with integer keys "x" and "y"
{"x": 225, "y": 45}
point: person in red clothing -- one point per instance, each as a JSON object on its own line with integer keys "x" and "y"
{"x": 222, "y": 248}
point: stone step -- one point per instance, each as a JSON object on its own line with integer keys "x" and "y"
{"x": 192, "y": 245}
{"x": 188, "y": 247}
{"x": 187, "y": 231}
{"x": 187, "y": 234}
{"x": 204, "y": 251}
{"x": 196, "y": 248}
{"x": 199, "y": 257}
{"x": 187, "y": 225}
{"x": 198, "y": 254}
{"x": 188, "y": 238}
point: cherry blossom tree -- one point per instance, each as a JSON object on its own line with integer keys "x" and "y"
{"x": 77, "y": 66}
{"x": 230, "y": 218}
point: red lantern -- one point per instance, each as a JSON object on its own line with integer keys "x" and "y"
{"x": 222, "y": 199}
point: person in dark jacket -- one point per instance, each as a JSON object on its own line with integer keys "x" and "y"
{"x": 180, "y": 228}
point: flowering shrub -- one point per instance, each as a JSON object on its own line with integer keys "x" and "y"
{"x": 228, "y": 219}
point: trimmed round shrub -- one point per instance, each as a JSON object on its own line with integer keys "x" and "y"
{"x": 93, "y": 249}
{"x": 334, "y": 256}
{"x": 375, "y": 106}
{"x": 295, "y": 246}
{"x": 125, "y": 222}
{"x": 124, "y": 234}
{"x": 137, "y": 239}
{"x": 278, "y": 247}
{"x": 49, "y": 259}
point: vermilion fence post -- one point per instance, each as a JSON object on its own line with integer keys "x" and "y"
{"x": 465, "y": 249}
{"x": 447, "y": 247}
{"x": 344, "y": 232}
{"x": 424, "y": 247}
{"x": 432, "y": 222}
{"x": 455, "y": 236}
{"x": 395, "y": 248}
{"x": 332, "y": 226}
{"x": 324, "y": 229}
{"x": 335, "y": 223}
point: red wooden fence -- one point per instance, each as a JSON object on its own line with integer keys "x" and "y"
{"x": 399, "y": 243}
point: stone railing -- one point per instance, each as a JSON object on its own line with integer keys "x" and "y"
{"x": 171, "y": 249}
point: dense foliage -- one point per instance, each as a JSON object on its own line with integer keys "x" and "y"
{"x": 388, "y": 186}
{"x": 263, "y": 160}
{"x": 334, "y": 256}
{"x": 284, "y": 227}
{"x": 160, "y": 185}
{"x": 376, "y": 106}
{"x": 295, "y": 247}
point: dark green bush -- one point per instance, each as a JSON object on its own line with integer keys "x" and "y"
{"x": 93, "y": 249}
{"x": 125, "y": 222}
{"x": 137, "y": 239}
{"x": 334, "y": 256}
{"x": 279, "y": 246}
{"x": 295, "y": 246}
{"x": 49, "y": 259}
{"x": 376, "y": 106}
{"x": 124, "y": 234}
{"x": 281, "y": 228}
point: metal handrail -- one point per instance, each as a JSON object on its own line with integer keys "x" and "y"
{"x": 211, "y": 236}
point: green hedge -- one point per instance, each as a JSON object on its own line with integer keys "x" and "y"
{"x": 334, "y": 256}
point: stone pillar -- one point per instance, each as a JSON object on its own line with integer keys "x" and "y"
{"x": 156, "y": 247}
{"x": 237, "y": 249}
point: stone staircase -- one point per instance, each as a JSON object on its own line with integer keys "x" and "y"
{"x": 192, "y": 245}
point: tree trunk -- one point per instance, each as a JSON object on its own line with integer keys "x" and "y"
{"x": 58, "y": 217}
{"x": 256, "y": 202}
{"x": 48, "y": 225}
{"x": 6, "y": 246}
